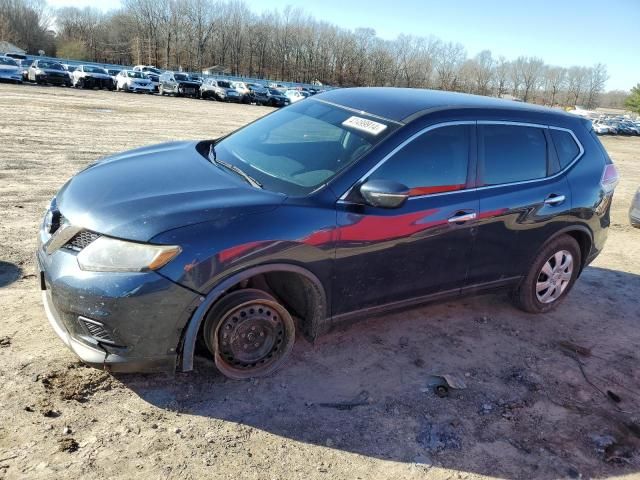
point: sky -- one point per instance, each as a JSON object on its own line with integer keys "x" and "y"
{"x": 561, "y": 32}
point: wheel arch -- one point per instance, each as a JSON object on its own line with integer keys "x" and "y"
{"x": 582, "y": 235}
{"x": 315, "y": 325}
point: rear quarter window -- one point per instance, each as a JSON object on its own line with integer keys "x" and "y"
{"x": 565, "y": 145}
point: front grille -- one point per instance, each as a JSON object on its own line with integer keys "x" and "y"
{"x": 96, "y": 330}
{"x": 81, "y": 240}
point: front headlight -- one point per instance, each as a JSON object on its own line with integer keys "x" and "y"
{"x": 107, "y": 254}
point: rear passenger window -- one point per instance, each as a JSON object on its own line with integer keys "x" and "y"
{"x": 435, "y": 162}
{"x": 511, "y": 153}
{"x": 566, "y": 147}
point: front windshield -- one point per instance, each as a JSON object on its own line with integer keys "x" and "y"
{"x": 180, "y": 76}
{"x": 299, "y": 148}
{"x": 131, "y": 74}
{"x": 7, "y": 61}
{"x": 224, "y": 84}
{"x": 50, "y": 65}
{"x": 152, "y": 70}
{"x": 90, "y": 69}
{"x": 273, "y": 91}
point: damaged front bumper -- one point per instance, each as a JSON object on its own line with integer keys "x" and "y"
{"x": 122, "y": 322}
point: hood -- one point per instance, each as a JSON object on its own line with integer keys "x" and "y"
{"x": 96, "y": 75}
{"x": 139, "y": 194}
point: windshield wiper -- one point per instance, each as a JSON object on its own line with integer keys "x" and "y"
{"x": 213, "y": 159}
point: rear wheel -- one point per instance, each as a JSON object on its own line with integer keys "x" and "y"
{"x": 249, "y": 334}
{"x": 550, "y": 277}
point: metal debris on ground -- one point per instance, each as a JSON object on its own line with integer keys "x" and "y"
{"x": 441, "y": 384}
{"x": 360, "y": 400}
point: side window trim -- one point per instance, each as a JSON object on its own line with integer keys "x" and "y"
{"x": 553, "y": 161}
{"x": 406, "y": 142}
{"x": 575, "y": 139}
{"x": 538, "y": 125}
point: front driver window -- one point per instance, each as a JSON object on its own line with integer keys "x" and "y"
{"x": 435, "y": 162}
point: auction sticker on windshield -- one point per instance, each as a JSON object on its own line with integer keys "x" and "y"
{"x": 365, "y": 125}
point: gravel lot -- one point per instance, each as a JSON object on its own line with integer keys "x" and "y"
{"x": 533, "y": 408}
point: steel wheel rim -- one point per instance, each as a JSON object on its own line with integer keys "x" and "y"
{"x": 252, "y": 338}
{"x": 554, "y": 277}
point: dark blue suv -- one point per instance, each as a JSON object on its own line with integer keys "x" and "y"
{"x": 345, "y": 205}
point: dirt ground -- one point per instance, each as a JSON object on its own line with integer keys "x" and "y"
{"x": 533, "y": 408}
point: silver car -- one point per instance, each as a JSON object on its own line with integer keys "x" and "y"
{"x": 131, "y": 81}
{"x": 634, "y": 211}
{"x": 9, "y": 70}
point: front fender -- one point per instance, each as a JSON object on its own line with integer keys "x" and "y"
{"x": 190, "y": 333}
{"x": 215, "y": 257}
{"x": 213, "y": 251}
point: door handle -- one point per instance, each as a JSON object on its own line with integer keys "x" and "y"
{"x": 554, "y": 199}
{"x": 462, "y": 217}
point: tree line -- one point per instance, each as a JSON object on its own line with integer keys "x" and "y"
{"x": 287, "y": 45}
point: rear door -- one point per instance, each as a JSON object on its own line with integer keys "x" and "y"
{"x": 390, "y": 255}
{"x": 523, "y": 199}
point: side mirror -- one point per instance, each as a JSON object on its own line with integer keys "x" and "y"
{"x": 384, "y": 193}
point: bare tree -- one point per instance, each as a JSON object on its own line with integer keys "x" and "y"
{"x": 614, "y": 99}
{"x": 501, "y": 76}
{"x": 27, "y": 24}
{"x": 481, "y": 68}
{"x": 515, "y": 75}
{"x": 449, "y": 58}
{"x": 531, "y": 70}
{"x": 577, "y": 81}
{"x": 595, "y": 84}
{"x": 554, "y": 81}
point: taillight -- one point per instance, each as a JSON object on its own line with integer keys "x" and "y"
{"x": 610, "y": 178}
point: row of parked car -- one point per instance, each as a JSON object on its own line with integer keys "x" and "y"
{"x": 616, "y": 126}
{"x": 149, "y": 79}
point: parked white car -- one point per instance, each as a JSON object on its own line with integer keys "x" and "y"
{"x": 600, "y": 127}
{"x": 242, "y": 90}
{"x": 130, "y": 81}
{"x": 294, "y": 95}
{"x": 69, "y": 69}
{"x": 151, "y": 72}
